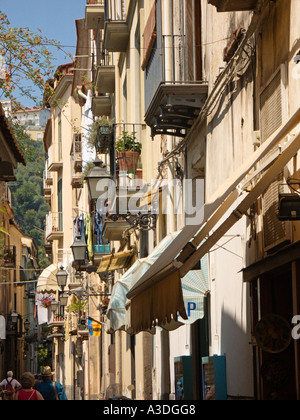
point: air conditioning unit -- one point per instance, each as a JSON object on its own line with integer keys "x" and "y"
{"x": 289, "y": 207}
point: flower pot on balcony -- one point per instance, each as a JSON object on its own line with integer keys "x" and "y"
{"x": 128, "y": 152}
{"x": 128, "y": 161}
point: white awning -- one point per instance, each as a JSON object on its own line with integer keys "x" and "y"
{"x": 47, "y": 282}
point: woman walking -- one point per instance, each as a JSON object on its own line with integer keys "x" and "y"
{"x": 27, "y": 393}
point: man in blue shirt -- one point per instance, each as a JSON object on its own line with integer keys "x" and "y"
{"x": 51, "y": 391}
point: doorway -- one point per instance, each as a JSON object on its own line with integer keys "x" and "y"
{"x": 274, "y": 355}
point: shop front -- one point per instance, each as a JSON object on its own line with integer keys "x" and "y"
{"x": 275, "y": 302}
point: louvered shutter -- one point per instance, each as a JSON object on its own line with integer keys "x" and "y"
{"x": 271, "y": 102}
{"x": 271, "y": 118}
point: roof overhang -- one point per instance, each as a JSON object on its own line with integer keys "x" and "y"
{"x": 9, "y": 149}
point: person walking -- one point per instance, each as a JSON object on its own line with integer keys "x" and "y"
{"x": 27, "y": 393}
{"x": 50, "y": 390}
{"x": 9, "y": 386}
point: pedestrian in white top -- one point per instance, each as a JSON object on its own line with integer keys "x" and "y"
{"x": 9, "y": 386}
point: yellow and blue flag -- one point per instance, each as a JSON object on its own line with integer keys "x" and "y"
{"x": 94, "y": 328}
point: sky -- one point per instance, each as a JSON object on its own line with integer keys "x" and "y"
{"x": 56, "y": 19}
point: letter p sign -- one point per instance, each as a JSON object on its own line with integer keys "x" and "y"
{"x": 191, "y": 307}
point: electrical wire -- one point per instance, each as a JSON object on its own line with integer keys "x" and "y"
{"x": 18, "y": 283}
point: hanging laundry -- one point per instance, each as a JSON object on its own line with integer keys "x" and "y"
{"x": 79, "y": 227}
{"x": 43, "y": 312}
{"x": 89, "y": 236}
{"x": 98, "y": 226}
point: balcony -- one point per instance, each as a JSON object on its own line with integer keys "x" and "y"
{"x": 105, "y": 79}
{"x": 9, "y": 257}
{"x": 48, "y": 199}
{"x": 76, "y": 162}
{"x": 75, "y": 281}
{"x": 116, "y": 28}
{"x": 100, "y": 251}
{"x": 55, "y": 158}
{"x": 124, "y": 212}
{"x": 47, "y": 182}
{"x": 175, "y": 107}
{"x": 76, "y": 153}
{"x": 106, "y": 73}
{"x": 101, "y": 106}
{"x": 48, "y": 248}
{"x": 56, "y": 322}
{"x": 94, "y": 14}
{"x": 174, "y": 99}
{"x": 56, "y": 332}
{"x": 233, "y": 5}
{"x": 54, "y": 226}
{"x": 48, "y": 177}
{"x": 113, "y": 230}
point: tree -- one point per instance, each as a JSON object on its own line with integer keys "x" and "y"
{"x": 27, "y": 196}
{"x": 25, "y": 61}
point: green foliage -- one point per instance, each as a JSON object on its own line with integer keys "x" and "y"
{"x": 26, "y": 61}
{"x": 44, "y": 356}
{"x": 27, "y": 194}
{"x": 128, "y": 143}
{"x": 93, "y": 130}
{"x": 77, "y": 306}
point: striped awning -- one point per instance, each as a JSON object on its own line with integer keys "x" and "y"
{"x": 47, "y": 282}
{"x": 190, "y": 292}
{"x": 115, "y": 262}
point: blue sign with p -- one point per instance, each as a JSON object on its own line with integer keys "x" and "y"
{"x": 191, "y": 307}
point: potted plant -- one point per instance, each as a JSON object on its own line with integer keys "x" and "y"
{"x": 128, "y": 152}
{"x": 100, "y": 135}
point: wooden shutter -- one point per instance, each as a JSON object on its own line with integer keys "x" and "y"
{"x": 272, "y": 111}
{"x": 150, "y": 36}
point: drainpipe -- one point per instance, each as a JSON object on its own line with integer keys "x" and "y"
{"x": 81, "y": 94}
{"x": 167, "y": 29}
{"x": 166, "y": 12}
